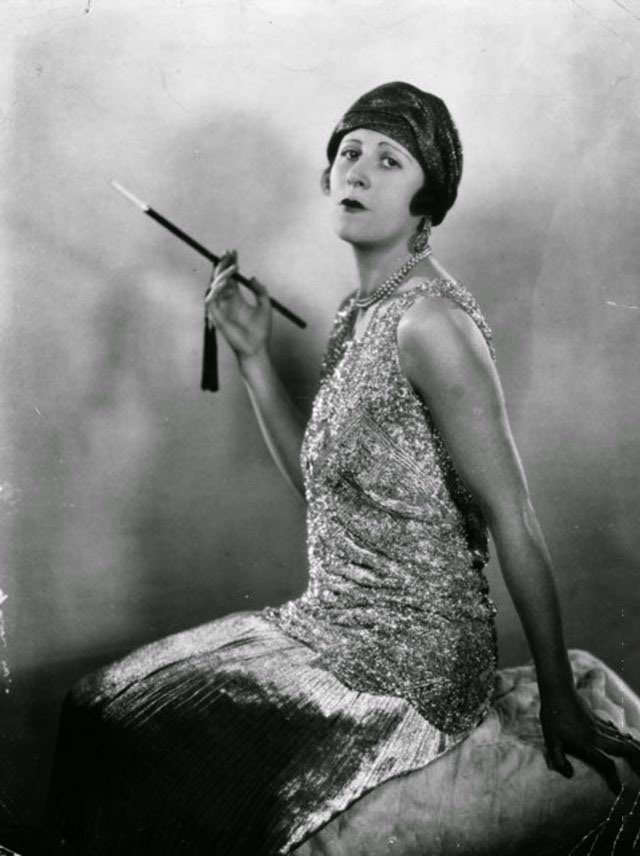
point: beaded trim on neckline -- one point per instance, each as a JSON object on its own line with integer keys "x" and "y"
{"x": 422, "y": 281}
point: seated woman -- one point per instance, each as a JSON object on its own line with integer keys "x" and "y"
{"x": 366, "y": 716}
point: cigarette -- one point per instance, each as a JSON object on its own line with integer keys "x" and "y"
{"x": 198, "y": 247}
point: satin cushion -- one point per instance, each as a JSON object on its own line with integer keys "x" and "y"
{"x": 493, "y": 793}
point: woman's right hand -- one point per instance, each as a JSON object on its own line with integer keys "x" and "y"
{"x": 245, "y": 326}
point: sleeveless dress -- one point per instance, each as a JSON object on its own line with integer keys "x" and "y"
{"x": 250, "y": 733}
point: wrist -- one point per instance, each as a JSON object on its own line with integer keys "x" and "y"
{"x": 556, "y": 691}
{"x": 254, "y": 364}
{"x": 554, "y": 676}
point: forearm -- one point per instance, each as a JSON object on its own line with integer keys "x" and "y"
{"x": 526, "y": 567}
{"x": 281, "y": 422}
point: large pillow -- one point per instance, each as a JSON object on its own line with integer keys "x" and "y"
{"x": 493, "y": 793}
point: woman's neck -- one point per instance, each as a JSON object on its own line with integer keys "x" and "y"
{"x": 375, "y": 264}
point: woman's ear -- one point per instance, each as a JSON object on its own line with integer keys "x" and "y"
{"x": 325, "y": 182}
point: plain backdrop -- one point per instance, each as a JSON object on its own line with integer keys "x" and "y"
{"x": 135, "y": 505}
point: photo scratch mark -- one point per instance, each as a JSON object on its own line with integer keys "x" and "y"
{"x": 628, "y": 11}
{"x": 4, "y": 665}
{"x": 87, "y": 8}
{"x": 621, "y": 305}
{"x": 6, "y": 676}
{"x": 594, "y": 834}
{"x": 166, "y": 89}
{"x": 604, "y": 26}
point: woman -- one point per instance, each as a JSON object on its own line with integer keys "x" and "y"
{"x": 248, "y": 734}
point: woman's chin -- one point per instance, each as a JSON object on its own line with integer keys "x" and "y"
{"x": 365, "y": 242}
{"x": 352, "y": 234}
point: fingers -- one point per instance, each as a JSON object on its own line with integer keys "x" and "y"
{"x": 224, "y": 292}
{"x": 219, "y": 292}
{"x": 212, "y": 316}
{"x": 221, "y": 284}
{"x": 223, "y": 278}
{"x": 557, "y": 760}
{"x": 227, "y": 258}
{"x": 260, "y": 291}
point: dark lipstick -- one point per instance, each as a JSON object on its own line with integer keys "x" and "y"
{"x": 353, "y": 204}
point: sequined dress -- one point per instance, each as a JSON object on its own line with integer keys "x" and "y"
{"x": 397, "y": 601}
{"x": 249, "y": 733}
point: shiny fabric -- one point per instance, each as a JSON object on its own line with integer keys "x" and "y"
{"x": 225, "y": 739}
{"x": 493, "y": 795}
{"x": 397, "y": 601}
{"x": 421, "y": 123}
{"x": 260, "y": 731}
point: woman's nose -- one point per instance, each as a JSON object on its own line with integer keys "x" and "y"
{"x": 357, "y": 176}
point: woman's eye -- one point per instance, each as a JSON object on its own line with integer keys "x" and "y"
{"x": 346, "y": 153}
{"x": 390, "y": 160}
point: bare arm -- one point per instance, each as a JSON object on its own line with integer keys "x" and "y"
{"x": 281, "y": 422}
{"x": 447, "y": 360}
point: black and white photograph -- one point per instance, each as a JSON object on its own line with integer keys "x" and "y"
{"x": 320, "y": 428}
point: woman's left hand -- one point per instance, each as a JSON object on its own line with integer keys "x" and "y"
{"x": 569, "y": 726}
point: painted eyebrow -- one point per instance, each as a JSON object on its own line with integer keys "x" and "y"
{"x": 381, "y": 143}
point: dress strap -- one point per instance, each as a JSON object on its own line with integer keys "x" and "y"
{"x": 449, "y": 288}
{"x": 390, "y": 315}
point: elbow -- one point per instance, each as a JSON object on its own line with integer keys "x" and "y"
{"x": 509, "y": 513}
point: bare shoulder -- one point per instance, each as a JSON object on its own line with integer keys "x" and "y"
{"x": 434, "y": 322}
{"x": 436, "y": 335}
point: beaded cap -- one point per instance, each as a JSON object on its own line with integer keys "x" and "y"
{"x": 397, "y": 601}
{"x": 422, "y": 123}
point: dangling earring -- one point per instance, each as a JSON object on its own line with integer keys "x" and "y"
{"x": 419, "y": 241}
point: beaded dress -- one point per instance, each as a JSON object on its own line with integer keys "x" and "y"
{"x": 249, "y": 733}
{"x": 397, "y": 601}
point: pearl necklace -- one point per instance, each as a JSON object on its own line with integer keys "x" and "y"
{"x": 392, "y": 282}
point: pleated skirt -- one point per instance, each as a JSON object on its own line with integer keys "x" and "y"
{"x": 230, "y": 738}
{"x": 227, "y": 738}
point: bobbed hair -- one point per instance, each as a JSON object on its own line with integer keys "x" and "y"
{"x": 419, "y": 121}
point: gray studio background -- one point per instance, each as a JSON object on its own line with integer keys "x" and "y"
{"x": 134, "y": 505}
